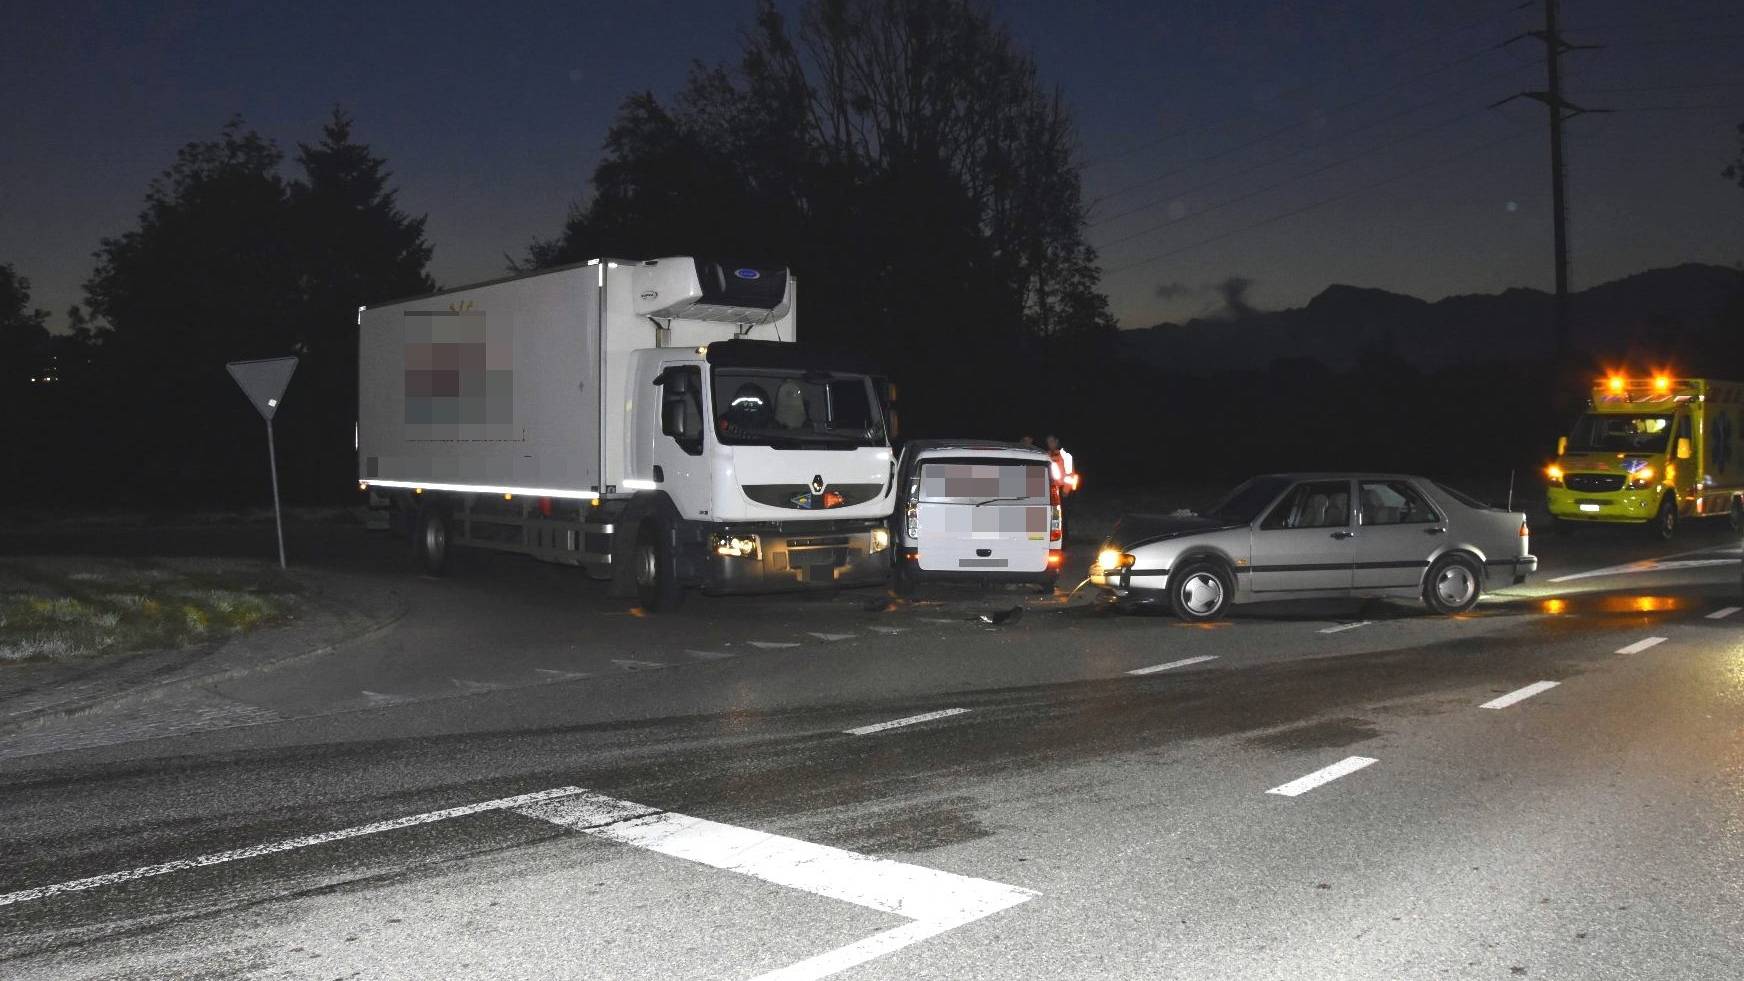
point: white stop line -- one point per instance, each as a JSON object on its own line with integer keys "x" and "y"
{"x": 935, "y": 901}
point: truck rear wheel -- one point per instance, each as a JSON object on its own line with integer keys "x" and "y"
{"x": 430, "y": 540}
{"x": 1663, "y": 527}
{"x": 656, "y": 569}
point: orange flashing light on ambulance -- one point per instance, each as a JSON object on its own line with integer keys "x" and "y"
{"x": 1651, "y": 451}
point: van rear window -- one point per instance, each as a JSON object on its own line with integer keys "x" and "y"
{"x": 979, "y": 483}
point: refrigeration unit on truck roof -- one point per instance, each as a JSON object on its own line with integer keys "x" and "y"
{"x": 575, "y": 412}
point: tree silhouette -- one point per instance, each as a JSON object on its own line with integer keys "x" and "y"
{"x": 24, "y": 336}
{"x": 354, "y": 246}
{"x": 903, "y": 158}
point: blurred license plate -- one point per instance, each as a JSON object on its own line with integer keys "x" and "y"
{"x": 1589, "y": 507}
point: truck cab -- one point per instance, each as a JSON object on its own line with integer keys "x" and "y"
{"x": 1650, "y": 452}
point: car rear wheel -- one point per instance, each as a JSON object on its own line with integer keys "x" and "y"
{"x": 1200, "y": 591}
{"x": 1452, "y": 586}
{"x": 1663, "y": 527}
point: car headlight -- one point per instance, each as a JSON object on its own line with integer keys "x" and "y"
{"x": 1110, "y": 559}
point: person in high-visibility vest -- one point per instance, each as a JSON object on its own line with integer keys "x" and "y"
{"x": 1065, "y": 479}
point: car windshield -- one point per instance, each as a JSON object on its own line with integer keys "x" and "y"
{"x": 1615, "y": 432}
{"x": 774, "y": 408}
{"x": 1245, "y": 503}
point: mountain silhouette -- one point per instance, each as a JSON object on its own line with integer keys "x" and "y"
{"x": 1652, "y": 310}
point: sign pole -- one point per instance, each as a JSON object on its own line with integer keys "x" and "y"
{"x": 264, "y": 382}
{"x": 272, "y": 459}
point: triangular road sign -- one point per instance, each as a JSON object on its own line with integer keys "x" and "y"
{"x": 263, "y": 381}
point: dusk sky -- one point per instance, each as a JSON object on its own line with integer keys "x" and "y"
{"x": 1290, "y": 144}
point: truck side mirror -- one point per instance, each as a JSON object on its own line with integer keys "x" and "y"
{"x": 672, "y": 419}
{"x": 1562, "y": 446}
{"x": 1683, "y": 448}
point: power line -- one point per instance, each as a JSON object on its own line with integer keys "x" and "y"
{"x": 1670, "y": 88}
{"x": 1342, "y": 72}
{"x": 1290, "y": 155}
{"x": 1441, "y": 162}
{"x": 1298, "y": 177}
{"x": 1148, "y": 181}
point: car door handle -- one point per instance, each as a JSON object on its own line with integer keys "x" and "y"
{"x": 1435, "y": 531}
{"x": 1344, "y": 534}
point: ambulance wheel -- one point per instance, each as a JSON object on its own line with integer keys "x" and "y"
{"x": 656, "y": 569}
{"x": 1200, "y": 591}
{"x": 430, "y": 539}
{"x": 1452, "y": 585}
{"x": 1663, "y": 527}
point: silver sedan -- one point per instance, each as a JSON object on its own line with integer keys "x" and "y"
{"x": 1309, "y": 535}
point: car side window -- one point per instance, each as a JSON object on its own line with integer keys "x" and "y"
{"x": 1394, "y": 502}
{"x": 1311, "y": 504}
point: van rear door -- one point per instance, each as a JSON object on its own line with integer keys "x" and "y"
{"x": 983, "y": 515}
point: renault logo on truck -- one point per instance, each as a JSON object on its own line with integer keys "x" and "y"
{"x": 817, "y": 483}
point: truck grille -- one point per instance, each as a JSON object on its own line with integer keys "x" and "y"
{"x": 1591, "y": 482}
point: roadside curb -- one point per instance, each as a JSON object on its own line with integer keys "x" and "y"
{"x": 192, "y": 676}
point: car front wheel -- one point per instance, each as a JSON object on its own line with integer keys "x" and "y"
{"x": 1200, "y": 591}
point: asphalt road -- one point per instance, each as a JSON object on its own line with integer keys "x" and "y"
{"x": 522, "y": 778}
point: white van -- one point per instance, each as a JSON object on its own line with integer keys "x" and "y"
{"x": 976, "y": 511}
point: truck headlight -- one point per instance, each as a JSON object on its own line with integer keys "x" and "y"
{"x": 1110, "y": 559}
{"x": 736, "y": 546}
{"x": 880, "y": 539}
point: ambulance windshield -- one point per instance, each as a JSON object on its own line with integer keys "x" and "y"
{"x": 1616, "y": 432}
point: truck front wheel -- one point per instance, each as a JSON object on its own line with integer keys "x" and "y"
{"x": 656, "y": 570}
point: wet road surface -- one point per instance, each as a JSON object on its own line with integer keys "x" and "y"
{"x": 829, "y": 787}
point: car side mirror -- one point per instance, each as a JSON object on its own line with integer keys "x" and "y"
{"x": 1562, "y": 446}
{"x": 1683, "y": 448}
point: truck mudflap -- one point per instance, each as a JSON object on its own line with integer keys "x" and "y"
{"x": 743, "y": 560}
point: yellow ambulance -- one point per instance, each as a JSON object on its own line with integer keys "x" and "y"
{"x": 1652, "y": 451}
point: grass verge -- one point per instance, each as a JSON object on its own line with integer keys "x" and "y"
{"x": 61, "y": 608}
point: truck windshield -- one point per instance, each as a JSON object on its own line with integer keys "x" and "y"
{"x": 1247, "y": 501}
{"x": 764, "y": 407}
{"x": 1616, "y": 432}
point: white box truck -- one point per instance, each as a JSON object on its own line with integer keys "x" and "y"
{"x": 654, "y": 422}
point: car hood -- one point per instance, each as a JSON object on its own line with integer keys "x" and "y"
{"x": 1133, "y": 530}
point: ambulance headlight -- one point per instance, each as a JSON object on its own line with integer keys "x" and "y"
{"x": 736, "y": 546}
{"x": 1642, "y": 477}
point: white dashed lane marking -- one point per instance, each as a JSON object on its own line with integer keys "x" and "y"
{"x": 1519, "y": 695}
{"x": 631, "y": 664}
{"x": 1301, "y": 785}
{"x": 1641, "y": 645}
{"x": 831, "y": 637}
{"x": 1346, "y": 626}
{"x": 1153, "y": 669}
{"x": 709, "y": 655}
{"x": 773, "y": 645}
{"x": 556, "y": 675}
{"x": 890, "y": 631}
{"x": 909, "y": 721}
{"x": 1724, "y": 613}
